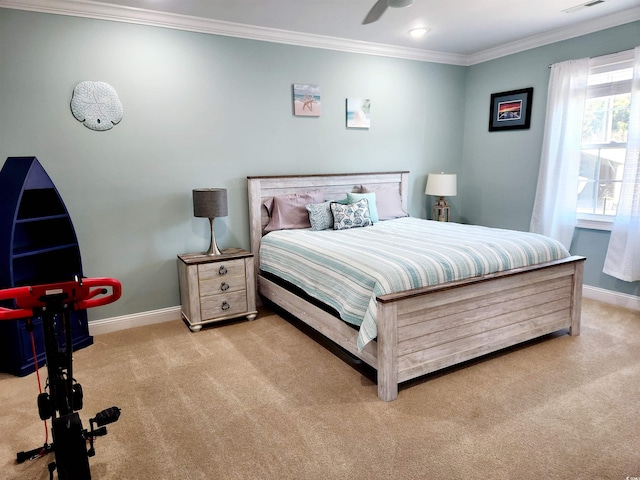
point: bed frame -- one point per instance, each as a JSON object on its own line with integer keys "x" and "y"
{"x": 426, "y": 329}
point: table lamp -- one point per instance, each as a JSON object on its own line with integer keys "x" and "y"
{"x": 441, "y": 185}
{"x": 210, "y": 203}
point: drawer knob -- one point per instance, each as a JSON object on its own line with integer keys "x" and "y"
{"x": 225, "y": 306}
{"x": 222, "y": 270}
{"x": 224, "y": 286}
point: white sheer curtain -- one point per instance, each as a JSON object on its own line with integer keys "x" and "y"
{"x": 623, "y": 255}
{"x": 554, "y": 210}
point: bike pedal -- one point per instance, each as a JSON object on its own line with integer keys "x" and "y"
{"x": 107, "y": 416}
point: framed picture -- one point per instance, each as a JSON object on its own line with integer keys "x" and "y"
{"x": 511, "y": 110}
{"x": 358, "y": 113}
{"x": 306, "y": 100}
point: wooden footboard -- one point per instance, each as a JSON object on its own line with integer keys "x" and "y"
{"x": 425, "y": 330}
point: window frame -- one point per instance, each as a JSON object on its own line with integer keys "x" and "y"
{"x": 600, "y": 65}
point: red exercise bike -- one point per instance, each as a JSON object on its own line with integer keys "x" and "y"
{"x": 53, "y": 303}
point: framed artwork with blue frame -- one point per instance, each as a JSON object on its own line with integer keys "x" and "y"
{"x": 511, "y": 110}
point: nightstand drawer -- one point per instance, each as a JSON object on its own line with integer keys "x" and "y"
{"x": 221, "y": 277}
{"x": 226, "y": 304}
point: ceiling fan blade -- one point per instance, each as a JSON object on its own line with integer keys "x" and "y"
{"x": 376, "y": 12}
{"x": 401, "y": 3}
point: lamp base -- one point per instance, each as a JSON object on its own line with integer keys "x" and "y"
{"x": 441, "y": 210}
{"x": 213, "y": 246}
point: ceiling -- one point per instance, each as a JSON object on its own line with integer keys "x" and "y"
{"x": 460, "y": 31}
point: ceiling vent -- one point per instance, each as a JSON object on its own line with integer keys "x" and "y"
{"x": 583, "y": 5}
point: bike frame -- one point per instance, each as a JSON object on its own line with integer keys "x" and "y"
{"x": 53, "y": 303}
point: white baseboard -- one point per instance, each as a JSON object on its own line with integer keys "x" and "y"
{"x": 609, "y": 296}
{"x": 106, "y": 325}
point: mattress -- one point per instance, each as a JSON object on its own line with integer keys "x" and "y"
{"x": 348, "y": 269}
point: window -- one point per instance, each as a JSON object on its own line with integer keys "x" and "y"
{"x": 605, "y": 131}
{"x": 593, "y": 118}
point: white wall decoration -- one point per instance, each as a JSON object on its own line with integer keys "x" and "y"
{"x": 358, "y": 113}
{"x": 96, "y": 104}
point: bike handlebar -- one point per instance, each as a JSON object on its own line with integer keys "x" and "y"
{"x": 77, "y": 294}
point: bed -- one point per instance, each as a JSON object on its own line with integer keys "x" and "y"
{"x": 424, "y": 328}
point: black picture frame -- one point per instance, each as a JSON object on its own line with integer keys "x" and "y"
{"x": 511, "y": 110}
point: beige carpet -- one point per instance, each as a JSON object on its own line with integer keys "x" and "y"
{"x": 261, "y": 400}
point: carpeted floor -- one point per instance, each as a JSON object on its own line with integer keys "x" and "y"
{"x": 262, "y": 400}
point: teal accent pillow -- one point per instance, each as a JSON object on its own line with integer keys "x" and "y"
{"x": 351, "y": 216}
{"x": 320, "y": 215}
{"x": 371, "y": 199}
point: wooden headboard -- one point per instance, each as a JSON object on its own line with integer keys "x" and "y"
{"x": 334, "y": 186}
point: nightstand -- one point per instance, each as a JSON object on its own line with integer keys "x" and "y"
{"x": 216, "y": 288}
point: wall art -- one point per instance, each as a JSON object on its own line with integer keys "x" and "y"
{"x": 358, "y": 113}
{"x": 96, "y": 105}
{"x": 306, "y": 100}
{"x": 511, "y": 110}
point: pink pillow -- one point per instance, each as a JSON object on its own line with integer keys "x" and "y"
{"x": 388, "y": 202}
{"x": 289, "y": 211}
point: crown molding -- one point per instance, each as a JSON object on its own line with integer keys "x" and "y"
{"x": 103, "y": 11}
{"x": 558, "y": 35}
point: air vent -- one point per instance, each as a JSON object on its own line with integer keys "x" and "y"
{"x": 583, "y": 5}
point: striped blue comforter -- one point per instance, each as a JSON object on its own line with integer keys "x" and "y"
{"x": 348, "y": 269}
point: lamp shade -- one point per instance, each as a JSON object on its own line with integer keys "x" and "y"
{"x": 210, "y": 202}
{"x": 442, "y": 185}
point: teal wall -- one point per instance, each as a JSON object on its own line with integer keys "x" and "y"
{"x": 207, "y": 111}
{"x": 202, "y": 111}
{"x": 500, "y": 169}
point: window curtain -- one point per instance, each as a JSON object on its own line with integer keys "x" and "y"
{"x": 623, "y": 255}
{"x": 554, "y": 210}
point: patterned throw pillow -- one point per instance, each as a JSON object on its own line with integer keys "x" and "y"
{"x": 352, "y": 215}
{"x": 320, "y": 215}
{"x": 370, "y": 197}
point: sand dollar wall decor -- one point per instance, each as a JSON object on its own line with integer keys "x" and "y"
{"x": 96, "y": 105}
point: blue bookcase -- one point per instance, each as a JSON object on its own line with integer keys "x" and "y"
{"x": 38, "y": 245}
